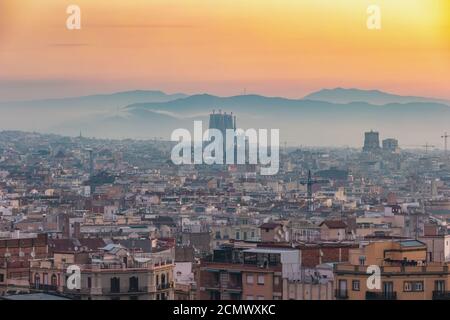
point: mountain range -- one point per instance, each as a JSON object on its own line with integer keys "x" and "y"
{"x": 324, "y": 118}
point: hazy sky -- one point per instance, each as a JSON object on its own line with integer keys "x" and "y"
{"x": 272, "y": 47}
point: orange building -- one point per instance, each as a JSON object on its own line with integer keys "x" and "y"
{"x": 405, "y": 273}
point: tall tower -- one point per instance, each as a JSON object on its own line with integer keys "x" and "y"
{"x": 222, "y": 122}
{"x": 371, "y": 141}
{"x": 91, "y": 162}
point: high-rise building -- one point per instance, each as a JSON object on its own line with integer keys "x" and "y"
{"x": 390, "y": 145}
{"x": 371, "y": 141}
{"x": 223, "y": 122}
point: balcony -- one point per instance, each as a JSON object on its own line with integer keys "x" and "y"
{"x": 163, "y": 286}
{"x": 136, "y": 290}
{"x": 441, "y": 295}
{"x": 232, "y": 287}
{"x": 370, "y": 295}
{"x": 82, "y": 291}
{"x": 341, "y": 294}
{"x": 211, "y": 286}
{"x": 45, "y": 287}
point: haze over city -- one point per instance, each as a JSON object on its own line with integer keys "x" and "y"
{"x": 124, "y": 175}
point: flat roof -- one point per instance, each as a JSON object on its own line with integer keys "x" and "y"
{"x": 411, "y": 243}
{"x": 269, "y": 250}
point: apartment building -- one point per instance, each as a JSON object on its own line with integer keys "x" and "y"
{"x": 310, "y": 284}
{"x": 15, "y": 253}
{"x": 405, "y": 273}
{"x": 438, "y": 247}
{"x": 333, "y": 230}
{"x": 246, "y": 274}
{"x": 115, "y": 275}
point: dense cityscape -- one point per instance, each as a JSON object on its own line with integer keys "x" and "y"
{"x": 85, "y": 218}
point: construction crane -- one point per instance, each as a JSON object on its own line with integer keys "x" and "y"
{"x": 445, "y": 136}
{"x": 426, "y": 146}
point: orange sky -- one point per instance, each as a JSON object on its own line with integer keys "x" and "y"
{"x": 272, "y": 47}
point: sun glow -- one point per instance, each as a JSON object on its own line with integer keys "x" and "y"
{"x": 282, "y": 47}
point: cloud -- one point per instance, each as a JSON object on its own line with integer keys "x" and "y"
{"x": 69, "y": 45}
{"x": 143, "y": 26}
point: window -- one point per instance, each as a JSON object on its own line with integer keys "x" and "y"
{"x": 89, "y": 282}
{"x": 418, "y": 286}
{"x": 439, "y": 285}
{"x": 37, "y": 280}
{"x": 238, "y": 236}
{"x": 249, "y": 279}
{"x": 276, "y": 281}
{"x": 134, "y": 284}
{"x": 355, "y": 285}
{"x": 54, "y": 280}
{"x": 413, "y": 286}
{"x": 260, "y": 279}
{"x": 2, "y": 277}
{"x": 245, "y": 235}
{"x": 115, "y": 285}
{"x": 342, "y": 288}
{"x": 407, "y": 286}
{"x": 362, "y": 260}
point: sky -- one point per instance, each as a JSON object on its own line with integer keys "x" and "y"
{"x": 225, "y": 47}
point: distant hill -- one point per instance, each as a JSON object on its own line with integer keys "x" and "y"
{"x": 300, "y": 121}
{"x": 112, "y": 100}
{"x": 149, "y": 114}
{"x": 340, "y": 95}
{"x": 42, "y": 115}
